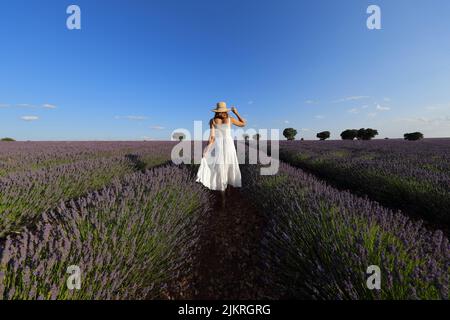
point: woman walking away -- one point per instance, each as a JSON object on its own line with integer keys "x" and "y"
{"x": 219, "y": 166}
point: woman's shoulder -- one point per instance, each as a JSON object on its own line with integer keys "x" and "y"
{"x": 214, "y": 122}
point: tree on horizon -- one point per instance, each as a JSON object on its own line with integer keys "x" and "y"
{"x": 349, "y": 134}
{"x": 290, "y": 133}
{"x": 179, "y": 136}
{"x": 324, "y": 135}
{"x": 414, "y": 136}
{"x": 366, "y": 134}
{"x": 7, "y": 139}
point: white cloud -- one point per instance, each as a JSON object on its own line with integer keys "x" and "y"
{"x": 27, "y": 105}
{"x": 438, "y": 107}
{"x": 372, "y": 114}
{"x": 352, "y": 98}
{"x": 157, "y": 127}
{"x": 428, "y": 121}
{"x": 132, "y": 118}
{"x": 29, "y": 118}
{"x": 286, "y": 121}
{"x": 310, "y": 102}
{"x": 138, "y": 118}
{"x": 319, "y": 116}
{"x": 386, "y": 99}
{"x": 430, "y": 126}
{"x": 380, "y": 108}
{"x": 49, "y": 106}
{"x": 305, "y": 129}
{"x": 358, "y": 110}
{"x": 251, "y": 102}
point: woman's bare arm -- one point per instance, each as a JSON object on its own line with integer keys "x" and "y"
{"x": 240, "y": 122}
{"x": 212, "y": 136}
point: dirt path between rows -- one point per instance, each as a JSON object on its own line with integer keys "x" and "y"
{"x": 228, "y": 261}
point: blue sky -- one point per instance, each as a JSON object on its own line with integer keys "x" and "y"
{"x": 139, "y": 69}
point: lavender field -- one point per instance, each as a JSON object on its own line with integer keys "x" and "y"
{"x": 410, "y": 175}
{"x": 139, "y": 227}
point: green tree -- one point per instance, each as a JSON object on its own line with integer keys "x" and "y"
{"x": 413, "y": 136}
{"x": 324, "y": 135}
{"x": 290, "y": 133}
{"x": 366, "y": 134}
{"x": 179, "y": 136}
{"x": 7, "y": 139}
{"x": 349, "y": 134}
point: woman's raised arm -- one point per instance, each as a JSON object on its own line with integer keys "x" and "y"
{"x": 240, "y": 122}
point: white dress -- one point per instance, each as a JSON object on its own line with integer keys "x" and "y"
{"x": 220, "y": 166}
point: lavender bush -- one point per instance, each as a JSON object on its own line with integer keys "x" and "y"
{"x": 410, "y": 175}
{"x": 29, "y": 156}
{"x": 320, "y": 241}
{"x": 129, "y": 239}
{"x": 25, "y": 195}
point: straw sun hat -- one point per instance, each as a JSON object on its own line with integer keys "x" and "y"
{"x": 221, "y": 107}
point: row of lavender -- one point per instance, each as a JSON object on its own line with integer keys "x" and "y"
{"x": 25, "y": 195}
{"x": 27, "y": 156}
{"x": 130, "y": 241}
{"x": 412, "y": 176}
{"x": 319, "y": 243}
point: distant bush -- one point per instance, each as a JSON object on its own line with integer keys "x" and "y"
{"x": 7, "y": 139}
{"x": 178, "y": 136}
{"x": 349, "y": 134}
{"x": 366, "y": 134}
{"x": 290, "y": 133}
{"x": 413, "y": 136}
{"x": 323, "y": 135}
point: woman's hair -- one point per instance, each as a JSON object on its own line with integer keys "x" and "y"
{"x": 221, "y": 115}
